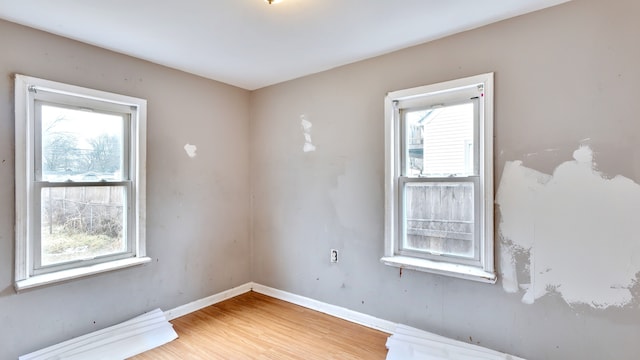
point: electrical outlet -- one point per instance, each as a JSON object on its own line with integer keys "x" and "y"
{"x": 334, "y": 255}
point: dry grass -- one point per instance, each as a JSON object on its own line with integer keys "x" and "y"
{"x": 63, "y": 245}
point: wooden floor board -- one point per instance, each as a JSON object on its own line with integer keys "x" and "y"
{"x": 256, "y": 326}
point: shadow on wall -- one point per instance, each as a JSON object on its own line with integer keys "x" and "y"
{"x": 8, "y": 291}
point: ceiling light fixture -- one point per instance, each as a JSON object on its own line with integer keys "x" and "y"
{"x": 272, "y": 1}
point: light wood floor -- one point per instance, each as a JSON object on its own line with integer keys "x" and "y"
{"x": 255, "y": 326}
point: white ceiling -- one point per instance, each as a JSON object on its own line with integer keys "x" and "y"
{"x": 251, "y": 44}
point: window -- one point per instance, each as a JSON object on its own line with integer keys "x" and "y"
{"x": 439, "y": 178}
{"x": 80, "y": 181}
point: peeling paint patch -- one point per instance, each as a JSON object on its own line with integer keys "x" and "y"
{"x": 578, "y": 228}
{"x": 306, "y": 130}
{"x": 190, "y": 150}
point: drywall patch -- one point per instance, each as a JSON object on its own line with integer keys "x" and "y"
{"x": 306, "y": 131}
{"x": 578, "y": 229}
{"x": 190, "y": 150}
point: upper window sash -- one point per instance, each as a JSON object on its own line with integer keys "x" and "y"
{"x": 126, "y": 113}
{"x": 74, "y": 97}
{"x": 431, "y": 109}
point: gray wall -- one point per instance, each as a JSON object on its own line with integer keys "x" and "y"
{"x": 563, "y": 75}
{"x": 197, "y": 209}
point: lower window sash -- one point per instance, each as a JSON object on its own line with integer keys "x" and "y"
{"x": 439, "y": 219}
{"x": 80, "y": 225}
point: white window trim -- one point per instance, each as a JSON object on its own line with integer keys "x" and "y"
{"x": 486, "y": 271}
{"x": 24, "y": 165}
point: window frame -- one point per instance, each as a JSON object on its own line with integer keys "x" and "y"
{"x": 481, "y": 268}
{"x": 30, "y": 94}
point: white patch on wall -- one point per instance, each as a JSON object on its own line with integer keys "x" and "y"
{"x": 306, "y": 131}
{"x": 190, "y": 150}
{"x": 579, "y": 229}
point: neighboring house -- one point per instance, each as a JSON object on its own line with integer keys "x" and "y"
{"x": 441, "y": 145}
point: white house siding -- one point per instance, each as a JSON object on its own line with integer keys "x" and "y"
{"x": 448, "y": 131}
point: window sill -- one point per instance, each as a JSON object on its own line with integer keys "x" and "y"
{"x": 59, "y": 276}
{"x": 448, "y": 269}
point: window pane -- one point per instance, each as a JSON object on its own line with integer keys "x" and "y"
{"x": 439, "y": 142}
{"x": 439, "y": 218}
{"x": 81, "y": 145}
{"x": 82, "y": 223}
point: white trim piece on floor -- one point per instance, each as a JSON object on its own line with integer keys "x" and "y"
{"x": 333, "y": 310}
{"x": 208, "y": 301}
{"x": 408, "y": 343}
{"x": 120, "y": 341}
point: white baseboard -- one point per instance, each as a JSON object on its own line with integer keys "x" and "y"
{"x": 333, "y": 310}
{"x": 336, "y": 311}
{"x": 208, "y": 301}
